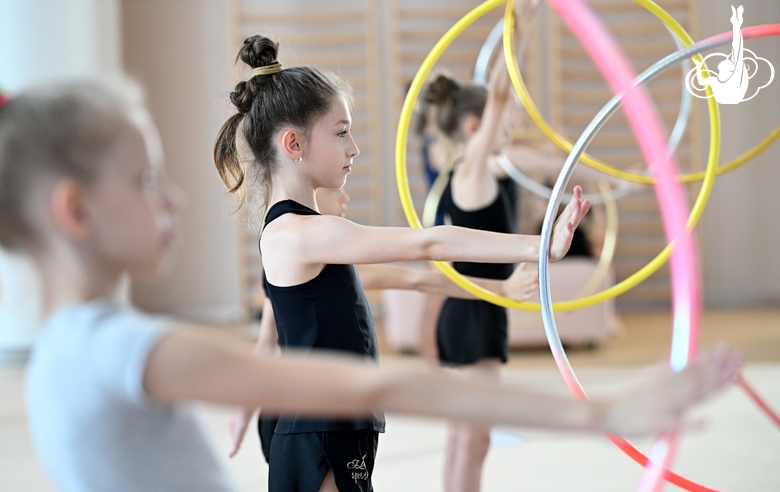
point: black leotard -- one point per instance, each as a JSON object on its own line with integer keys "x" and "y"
{"x": 328, "y": 312}
{"x": 471, "y": 330}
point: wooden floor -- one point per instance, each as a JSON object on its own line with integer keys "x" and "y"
{"x": 646, "y": 337}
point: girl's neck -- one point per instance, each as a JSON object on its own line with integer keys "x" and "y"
{"x": 296, "y": 191}
{"x": 455, "y": 152}
{"x": 71, "y": 279}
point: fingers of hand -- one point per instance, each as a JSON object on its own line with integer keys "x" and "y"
{"x": 585, "y": 208}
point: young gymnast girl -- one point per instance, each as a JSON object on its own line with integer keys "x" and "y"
{"x": 472, "y": 334}
{"x": 82, "y": 190}
{"x": 296, "y": 125}
{"x": 520, "y": 286}
{"x": 293, "y": 129}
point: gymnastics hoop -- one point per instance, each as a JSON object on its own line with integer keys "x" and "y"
{"x": 545, "y": 192}
{"x": 528, "y": 183}
{"x": 607, "y": 252}
{"x": 591, "y": 161}
{"x": 756, "y": 31}
{"x": 606, "y": 198}
{"x": 403, "y": 178}
{"x": 489, "y": 46}
{"x": 685, "y": 277}
{"x": 467, "y": 285}
{"x": 664, "y": 448}
{"x": 483, "y": 59}
{"x": 433, "y": 198}
{"x": 610, "y": 241}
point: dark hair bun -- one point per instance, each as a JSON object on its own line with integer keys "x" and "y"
{"x": 258, "y": 51}
{"x": 442, "y": 90}
{"x": 242, "y": 98}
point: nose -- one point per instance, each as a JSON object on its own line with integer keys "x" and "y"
{"x": 354, "y": 151}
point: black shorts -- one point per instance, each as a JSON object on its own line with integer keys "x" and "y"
{"x": 471, "y": 330}
{"x": 299, "y": 462}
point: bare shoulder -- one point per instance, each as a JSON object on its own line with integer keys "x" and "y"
{"x": 292, "y": 246}
{"x": 286, "y": 233}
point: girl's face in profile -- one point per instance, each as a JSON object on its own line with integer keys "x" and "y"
{"x": 331, "y": 148}
{"x": 133, "y": 206}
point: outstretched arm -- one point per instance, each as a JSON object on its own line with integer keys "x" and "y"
{"x": 186, "y": 366}
{"x": 308, "y": 242}
{"x": 520, "y": 286}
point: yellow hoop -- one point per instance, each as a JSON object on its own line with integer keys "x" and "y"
{"x": 610, "y": 242}
{"x": 405, "y": 193}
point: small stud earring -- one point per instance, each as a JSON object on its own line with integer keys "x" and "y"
{"x": 299, "y": 159}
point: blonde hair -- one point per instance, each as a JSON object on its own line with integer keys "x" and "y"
{"x": 57, "y": 130}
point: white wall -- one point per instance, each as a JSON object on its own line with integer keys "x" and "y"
{"x": 48, "y": 39}
{"x": 740, "y": 231}
{"x": 43, "y": 40}
{"x": 180, "y": 51}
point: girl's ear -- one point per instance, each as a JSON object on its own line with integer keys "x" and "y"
{"x": 292, "y": 143}
{"x": 68, "y": 209}
{"x": 470, "y": 125}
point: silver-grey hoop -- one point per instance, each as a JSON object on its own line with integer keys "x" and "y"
{"x": 545, "y": 296}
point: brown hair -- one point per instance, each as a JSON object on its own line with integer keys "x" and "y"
{"x": 62, "y": 130}
{"x": 454, "y": 101}
{"x": 296, "y": 97}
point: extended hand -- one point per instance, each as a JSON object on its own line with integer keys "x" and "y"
{"x": 659, "y": 403}
{"x": 563, "y": 230}
{"x": 237, "y": 426}
{"x": 522, "y": 285}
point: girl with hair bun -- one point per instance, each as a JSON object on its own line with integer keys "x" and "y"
{"x": 472, "y": 335}
{"x": 295, "y": 124}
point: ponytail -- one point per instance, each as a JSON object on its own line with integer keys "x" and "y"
{"x": 272, "y": 99}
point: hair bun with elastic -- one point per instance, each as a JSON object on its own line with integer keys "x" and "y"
{"x": 259, "y": 52}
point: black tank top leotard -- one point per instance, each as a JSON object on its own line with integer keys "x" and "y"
{"x": 511, "y": 193}
{"x": 471, "y": 330}
{"x": 329, "y": 312}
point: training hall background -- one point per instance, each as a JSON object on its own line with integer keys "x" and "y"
{"x": 182, "y": 52}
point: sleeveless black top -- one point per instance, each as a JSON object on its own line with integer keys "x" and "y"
{"x": 497, "y": 217}
{"x": 328, "y": 312}
{"x": 511, "y": 191}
